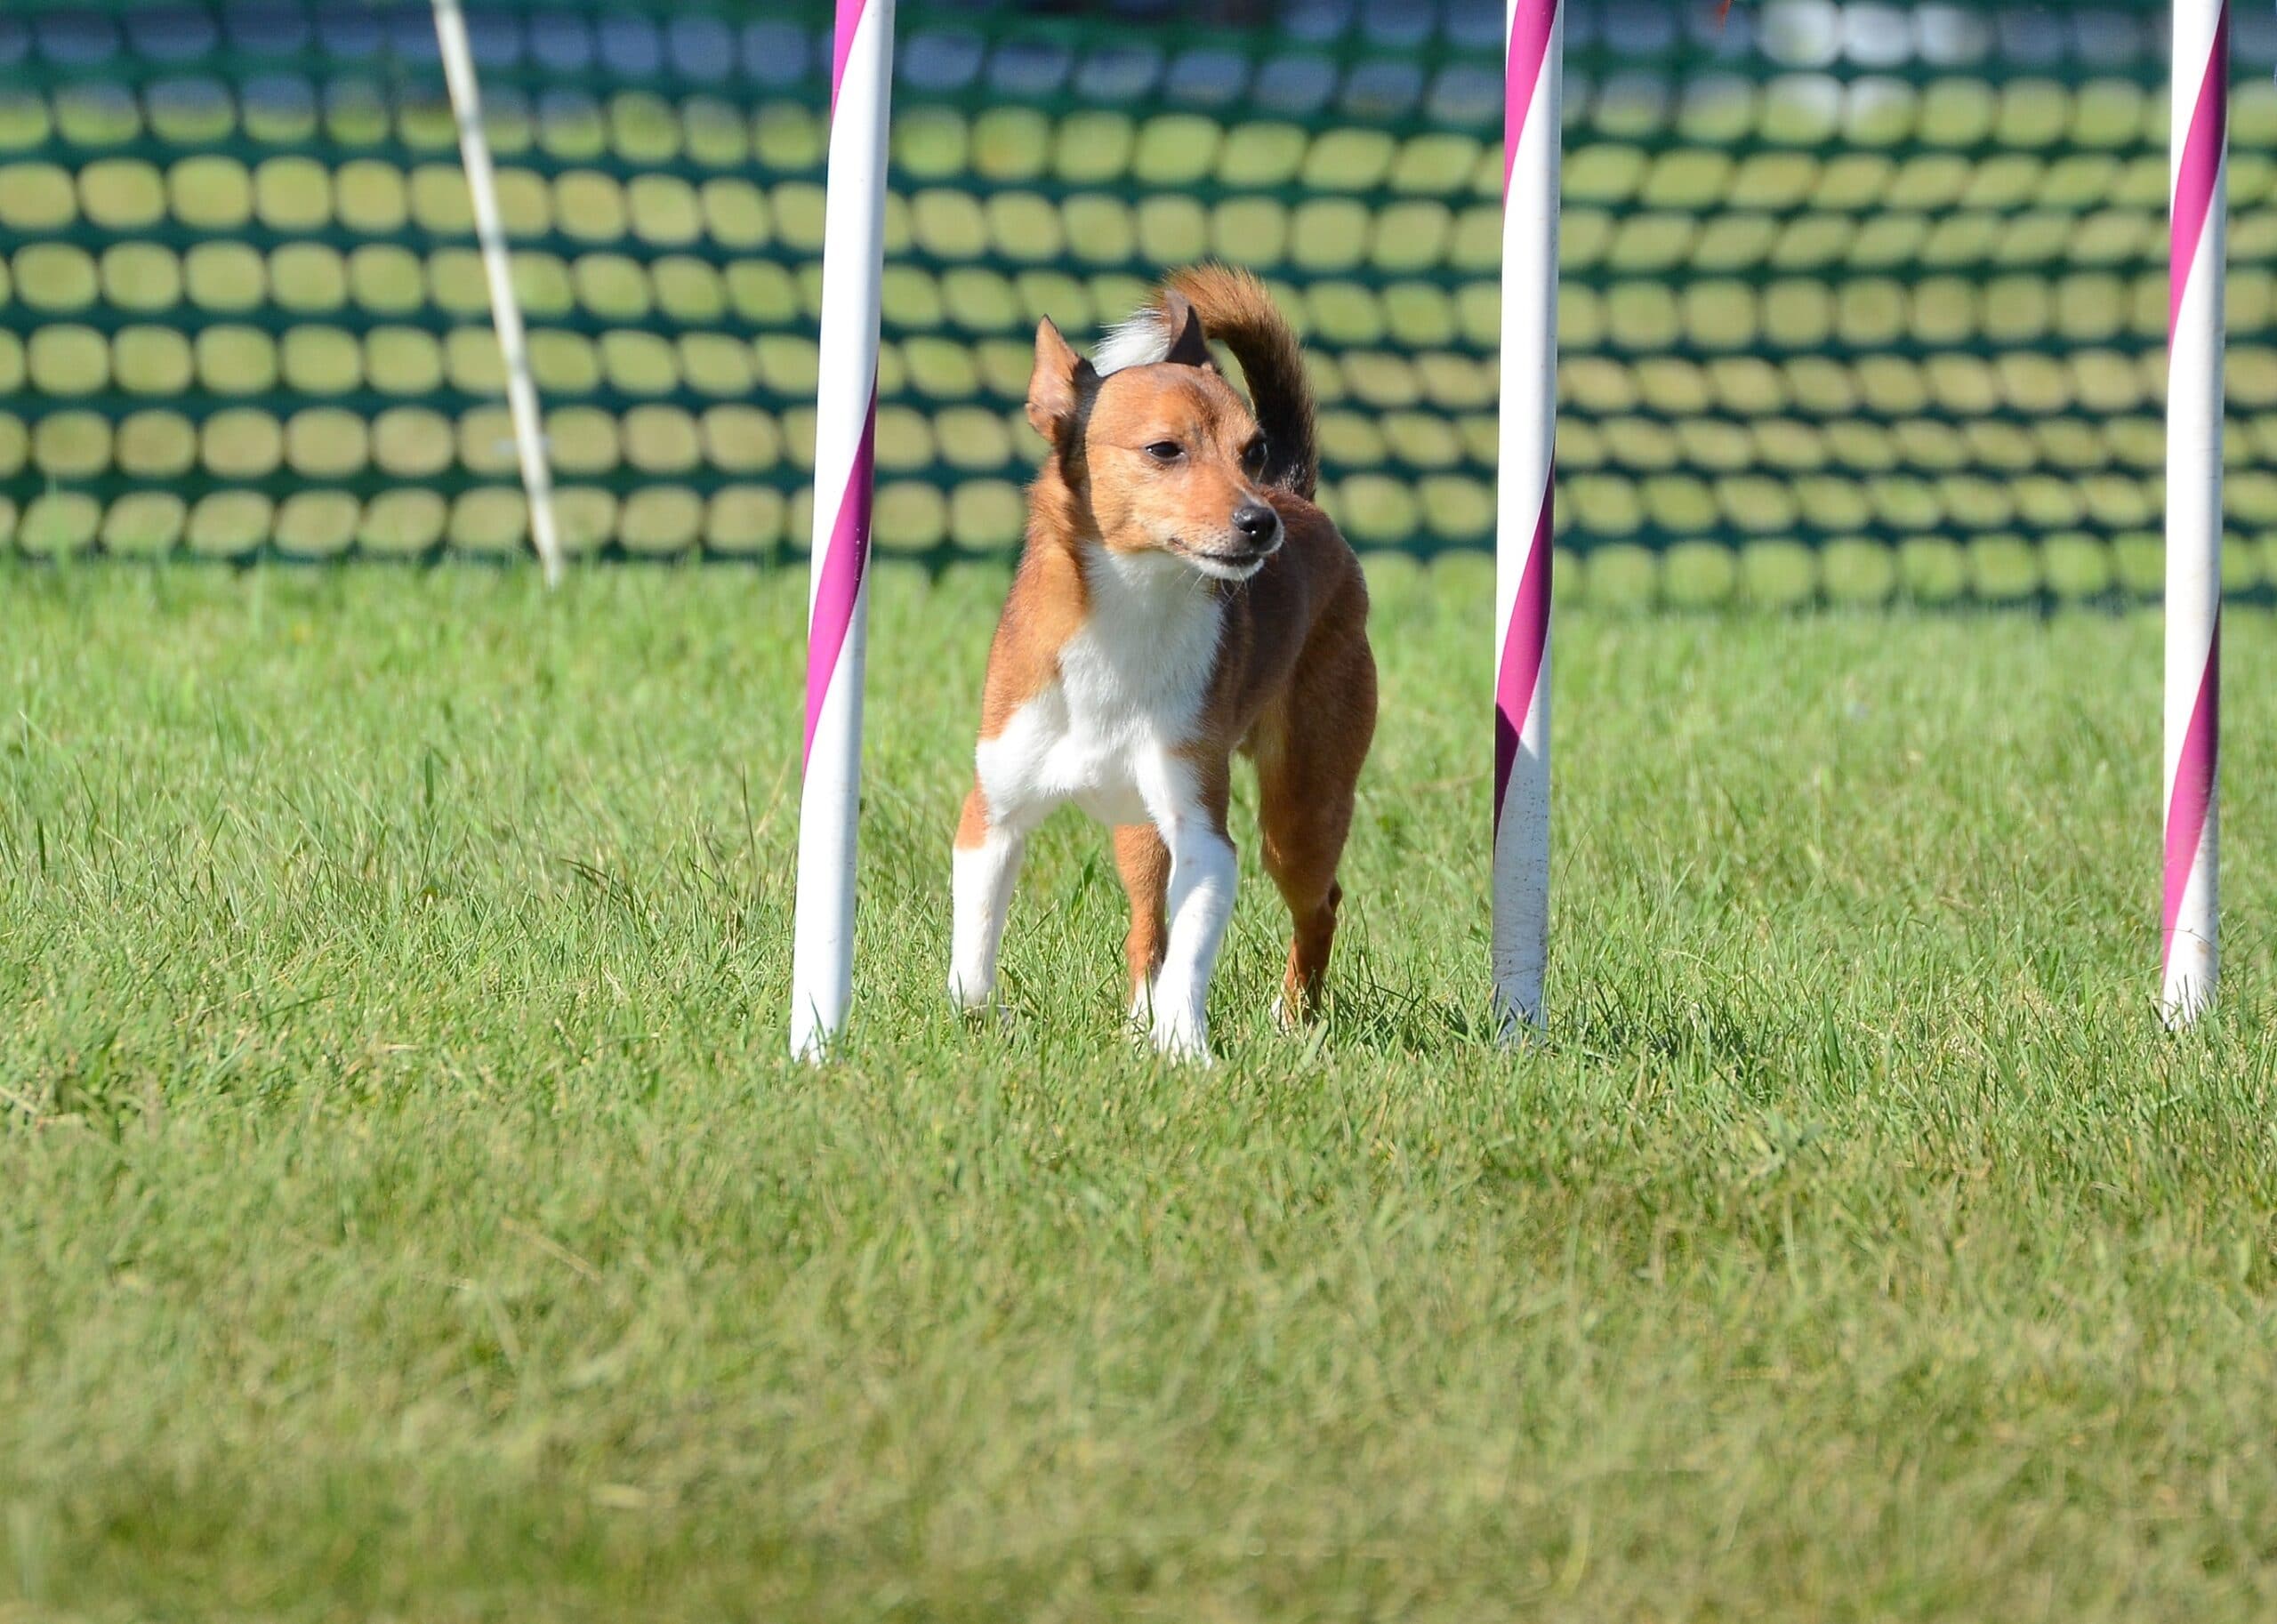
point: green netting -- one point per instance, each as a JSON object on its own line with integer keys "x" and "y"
{"x": 1860, "y": 299}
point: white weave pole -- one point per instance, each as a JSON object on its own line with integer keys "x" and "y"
{"x": 1532, "y": 142}
{"x": 2188, "y": 956}
{"x": 497, "y": 266}
{"x": 846, "y": 410}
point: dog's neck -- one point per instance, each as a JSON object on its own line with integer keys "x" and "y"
{"x": 1145, "y": 624}
{"x": 1148, "y": 585}
{"x": 1060, "y": 517}
{"x": 1149, "y": 640}
{"x": 1061, "y": 523}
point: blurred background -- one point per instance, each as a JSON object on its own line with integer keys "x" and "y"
{"x": 1861, "y": 301}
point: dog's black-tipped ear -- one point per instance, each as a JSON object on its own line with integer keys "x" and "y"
{"x": 1058, "y": 384}
{"x": 1188, "y": 345}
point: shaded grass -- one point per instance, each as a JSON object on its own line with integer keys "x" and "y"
{"x": 409, "y": 1212}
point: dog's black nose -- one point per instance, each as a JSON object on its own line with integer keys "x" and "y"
{"x": 1255, "y": 520}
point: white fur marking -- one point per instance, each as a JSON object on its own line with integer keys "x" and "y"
{"x": 981, "y": 882}
{"x": 1218, "y": 569}
{"x": 1130, "y": 685}
{"x": 1140, "y": 340}
{"x": 1203, "y": 876}
{"x": 1129, "y": 690}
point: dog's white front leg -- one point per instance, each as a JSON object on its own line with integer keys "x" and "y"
{"x": 981, "y": 879}
{"x": 1203, "y": 874}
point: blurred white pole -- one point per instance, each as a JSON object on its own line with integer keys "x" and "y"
{"x": 505, "y": 311}
{"x": 846, "y": 409}
{"x": 1532, "y": 142}
{"x": 2189, "y": 962}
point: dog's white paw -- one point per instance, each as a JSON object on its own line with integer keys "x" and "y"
{"x": 981, "y": 1010}
{"x": 1182, "y": 1034}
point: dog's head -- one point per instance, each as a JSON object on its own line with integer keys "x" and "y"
{"x": 1163, "y": 452}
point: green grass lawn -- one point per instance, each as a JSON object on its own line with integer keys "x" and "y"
{"x": 407, "y": 1210}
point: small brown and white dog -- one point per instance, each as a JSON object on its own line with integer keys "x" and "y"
{"x": 1180, "y": 599}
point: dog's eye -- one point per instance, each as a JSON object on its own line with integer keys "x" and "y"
{"x": 1166, "y": 451}
{"x": 1253, "y": 455}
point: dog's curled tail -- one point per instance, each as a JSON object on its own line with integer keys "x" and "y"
{"x": 1235, "y": 309}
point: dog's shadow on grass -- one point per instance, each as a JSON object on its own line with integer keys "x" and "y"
{"x": 1720, "y": 1029}
{"x": 1035, "y": 1025}
{"x": 1076, "y": 1015}
{"x": 1363, "y": 1015}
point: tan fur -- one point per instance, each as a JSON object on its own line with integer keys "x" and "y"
{"x": 1237, "y": 312}
{"x": 1144, "y": 862}
{"x": 1292, "y": 682}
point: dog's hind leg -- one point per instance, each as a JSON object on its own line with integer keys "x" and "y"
{"x": 1145, "y": 864}
{"x": 1308, "y": 759}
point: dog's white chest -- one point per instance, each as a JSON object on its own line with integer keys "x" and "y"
{"x": 1129, "y": 691}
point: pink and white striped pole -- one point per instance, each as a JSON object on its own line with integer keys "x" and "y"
{"x": 2188, "y": 958}
{"x": 846, "y": 409}
{"x": 1532, "y": 142}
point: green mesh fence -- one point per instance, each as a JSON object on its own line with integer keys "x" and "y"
{"x": 1860, "y": 300}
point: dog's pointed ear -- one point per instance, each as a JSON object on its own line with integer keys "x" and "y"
{"x": 1189, "y": 346}
{"x": 1057, "y": 386}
